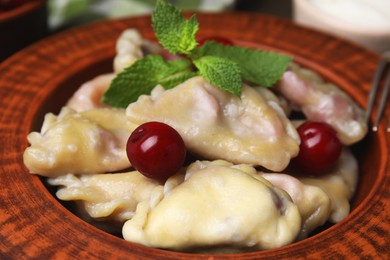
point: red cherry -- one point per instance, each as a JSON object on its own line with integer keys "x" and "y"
{"x": 219, "y": 39}
{"x": 319, "y": 149}
{"x": 156, "y": 150}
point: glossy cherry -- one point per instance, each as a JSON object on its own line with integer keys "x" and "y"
{"x": 156, "y": 150}
{"x": 320, "y": 147}
{"x": 219, "y": 39}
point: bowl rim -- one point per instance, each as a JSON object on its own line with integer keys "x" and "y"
{"x": 87, "y": 57}
{"x": 21, "y": 10}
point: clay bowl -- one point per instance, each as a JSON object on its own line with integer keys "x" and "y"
{"x": 42, "y": 77}
{"x": 21, "y": 26}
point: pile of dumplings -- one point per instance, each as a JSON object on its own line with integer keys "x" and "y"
{"x": 238, "y": 197}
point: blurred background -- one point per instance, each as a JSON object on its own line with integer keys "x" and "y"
{"x": 71, "y": 12}
{"x": 23, "y": 22}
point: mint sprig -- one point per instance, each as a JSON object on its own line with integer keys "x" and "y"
{"x": 223, "y": 66}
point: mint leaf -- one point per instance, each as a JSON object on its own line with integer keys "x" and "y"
{"x": 264, "y": 68}
{"x": 223, "y": 66}
{"x": 173, "y": 31}
{"x": 140, "y": 78}
{"x": 220, "y": 72}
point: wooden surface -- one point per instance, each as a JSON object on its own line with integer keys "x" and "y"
{"x": 40, "y": 79}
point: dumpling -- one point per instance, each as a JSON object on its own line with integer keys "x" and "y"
{"x": 83, "y": 143}
{"x": 89, "y": 95}
{"x": 109, "y": 196}
{"x": 218, "y": 204}
{"x": 218, "y": 125}
{"x": 277, "y": 102}
{"x": 313, "y": 203}
{"x": 128, "y": 49}
{"x": 323, "y": 102}
{"x": 340, "y": 184}
{"x": 322, "y": 198}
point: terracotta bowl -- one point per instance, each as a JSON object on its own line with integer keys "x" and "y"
{"x": 21, "y": 26}
{"x": 43, "y": 76}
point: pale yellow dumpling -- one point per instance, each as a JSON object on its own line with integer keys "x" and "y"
{"x": 83, "y": 143}
{"x": 322, "y": 198}
{"x": 108, "y": 196}
{"x": 218, "y": 204}
{"x": 324, "y": 102}
{"x": 313, "y": 203}
{"x": 218, "y": 125}
{"x": 340, "y": 185}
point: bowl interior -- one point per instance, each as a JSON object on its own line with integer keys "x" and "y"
{"x": 367, "y": 153}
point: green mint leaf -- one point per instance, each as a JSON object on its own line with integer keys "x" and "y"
{"x": 173, "y": 31}
{"x": 264, "y": 68}
{"x": 221, "y": 73}
{"x": 141, "y": 77}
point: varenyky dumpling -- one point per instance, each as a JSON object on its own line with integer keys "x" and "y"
{"x": 89, "y": 95}
{"x": 128, "y": 49}
{"x": 218, "y": 204}
{"x": 313, "y": 203}
{"x": 321, "y": 199}
{"x": 89, "y": 142}
{"x": 324, "y": 102}
{"x": 218, "y": 125}
{"x": 109, "y": 196}
{"x": 340, "y": 185}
